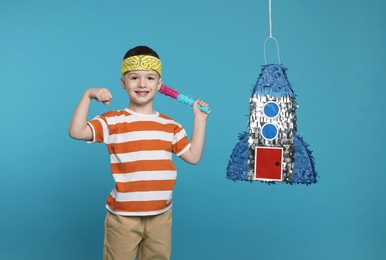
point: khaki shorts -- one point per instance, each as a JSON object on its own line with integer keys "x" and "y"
{"x": 147, "y": 237}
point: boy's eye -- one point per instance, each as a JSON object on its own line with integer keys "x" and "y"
{"x": 151, "y": 78}
{"x": 133, "y": 77}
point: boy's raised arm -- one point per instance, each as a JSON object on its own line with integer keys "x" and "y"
{"x": 193, "y": 155}
{"x": 78, "y": 127}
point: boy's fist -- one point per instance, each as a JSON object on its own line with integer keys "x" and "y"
{"x": 100, "y": 94}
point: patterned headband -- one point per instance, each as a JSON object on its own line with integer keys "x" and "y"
{"x": 141, "y": 62}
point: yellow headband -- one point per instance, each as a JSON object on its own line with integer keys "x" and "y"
{"x": 141, "y": 62}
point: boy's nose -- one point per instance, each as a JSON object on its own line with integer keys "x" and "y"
{"x": 141, "y": 83}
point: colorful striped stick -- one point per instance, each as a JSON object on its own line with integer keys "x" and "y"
{"x": 183, "y": 99}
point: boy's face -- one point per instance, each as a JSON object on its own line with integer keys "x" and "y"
{"x": 141, "y": 86}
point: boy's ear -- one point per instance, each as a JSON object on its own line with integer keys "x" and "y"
{"x": 123, "y": 82}
{"x": 159, "y": 84}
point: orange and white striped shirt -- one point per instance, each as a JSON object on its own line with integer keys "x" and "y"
{"x": 140, "y": 148}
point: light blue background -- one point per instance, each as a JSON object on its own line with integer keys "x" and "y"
{"x": 53, "y": 188}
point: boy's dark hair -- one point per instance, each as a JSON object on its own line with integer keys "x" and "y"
{"x": 141, "y": 50}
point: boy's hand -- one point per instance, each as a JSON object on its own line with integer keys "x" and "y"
{"x": 193, "y": 154}
{"x": 100, "y": 94}
{"x": 197, "y": 112}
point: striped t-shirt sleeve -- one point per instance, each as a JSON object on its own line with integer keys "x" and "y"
{"x": 180, "y": 142}
{"x": 100, "y": 129}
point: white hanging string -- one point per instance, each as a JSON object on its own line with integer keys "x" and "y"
{"x": 270, "y": 37}
{"x": 270, "y": 18}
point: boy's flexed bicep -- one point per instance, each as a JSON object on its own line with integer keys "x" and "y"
{"x": 79, "y": 129}
{"x": 87, "y": 134}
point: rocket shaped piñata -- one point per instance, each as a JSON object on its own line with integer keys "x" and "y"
{"x": 271, "y": 151}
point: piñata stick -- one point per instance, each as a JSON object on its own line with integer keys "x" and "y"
{"x": 183, "y": 99}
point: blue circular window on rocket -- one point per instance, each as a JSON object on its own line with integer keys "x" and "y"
{"x": 269, "y": 131}
{"x": 271, "y": 109}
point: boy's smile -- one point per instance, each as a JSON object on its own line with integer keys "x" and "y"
{"x": 142, "y": 93}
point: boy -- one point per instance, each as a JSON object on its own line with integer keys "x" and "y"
{"x": 140, "y": 142}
